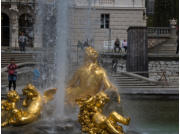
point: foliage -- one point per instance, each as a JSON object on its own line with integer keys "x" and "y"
{"x": 164, "y": 10}
{"x": 150, "y": 21}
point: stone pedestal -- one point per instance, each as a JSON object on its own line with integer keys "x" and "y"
{"x": 173, "y": 24}
{"x": 137, "y": 56}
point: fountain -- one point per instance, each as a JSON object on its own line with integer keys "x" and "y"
{"x": 54, "y": 26}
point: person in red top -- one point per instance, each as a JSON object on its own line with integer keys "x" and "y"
{"x": 12, "y": 75}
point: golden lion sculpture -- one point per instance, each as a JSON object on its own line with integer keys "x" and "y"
{"x": 33, "y": 104}
{"x": 93, "y": 121}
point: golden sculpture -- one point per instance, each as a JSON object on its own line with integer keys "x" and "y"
{"x": 33, "y": 104}
{"x": 89, "y": 79}
{"x": 93, "y": 121}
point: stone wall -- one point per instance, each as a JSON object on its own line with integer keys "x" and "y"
{"x": 171, "y": 69}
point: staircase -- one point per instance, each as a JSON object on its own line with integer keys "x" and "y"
{"x": 19, "y": 58}
{"x": 123, "y": 81}
{"x": 167, "y": 48}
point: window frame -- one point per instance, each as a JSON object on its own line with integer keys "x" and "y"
{"x": 105, "y": 20}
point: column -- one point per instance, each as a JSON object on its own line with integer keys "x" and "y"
{"x": 137, "y": 54}
{"x": 14, "y": 26}
{"x": 38, "y": 25}
{"x": 37, "y": 33}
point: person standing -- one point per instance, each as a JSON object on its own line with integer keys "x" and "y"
{"x": 36, "y": 77}
{"x": 22, "y": 42}
{"x": 124, "y": 44}
{"x": 177, "y": 41}
{"x": 117, "y": 45}
{"x": 177, "y": 48}
{"x": 12, "y": 74}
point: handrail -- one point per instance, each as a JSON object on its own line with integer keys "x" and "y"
{"x": 19, "y": 65}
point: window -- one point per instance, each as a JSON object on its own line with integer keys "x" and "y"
{"x": 106, "y": 1}
{"x": 105, "y": 20}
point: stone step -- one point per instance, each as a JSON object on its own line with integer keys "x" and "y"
{"x": 129, "y": 80}
{"x": 143, "y": 87}
{"x": 166, "y": 49}
{"x": 124, "y": 78}
{"x": 132, "y": 82}
{"x": 169, "y": 44}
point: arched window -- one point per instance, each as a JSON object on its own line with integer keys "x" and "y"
{"x": 5, "y": 25}
{"x": 26, "y": 27}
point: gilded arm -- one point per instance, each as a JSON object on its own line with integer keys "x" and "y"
{"x": 108, "y": 85}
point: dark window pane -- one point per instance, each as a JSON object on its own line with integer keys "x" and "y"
{"x": 102, "y": 26}
{"x": 107, "y": 25}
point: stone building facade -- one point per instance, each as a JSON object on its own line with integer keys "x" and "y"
{"x": 16, "y": 17}
{"x": 105, "y": 20}
{"x": 97, "y": 21}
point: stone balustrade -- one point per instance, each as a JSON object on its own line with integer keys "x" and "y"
{"x": 158, "y": 31}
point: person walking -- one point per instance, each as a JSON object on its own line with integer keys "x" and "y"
{"x": 22, "y": 42}
{"x": 117, "y": 45}
{"x": 12, "y": 74}
{"x": 177, "y": 41}
{"x": 114, "y": 65}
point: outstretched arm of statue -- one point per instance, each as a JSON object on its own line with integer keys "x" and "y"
{"x": 109, "y": 85}
{"x": 49, "y": 94}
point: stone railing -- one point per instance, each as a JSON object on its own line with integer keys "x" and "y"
{"x": 158, "y": 31}
{"x": 18, "y": 1}
{"x": 102, "y": 2}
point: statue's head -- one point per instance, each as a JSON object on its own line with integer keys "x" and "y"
{"x": 13, "y": 96}
{"x": 91, "y": 53}
{"x": 30, "y": 91}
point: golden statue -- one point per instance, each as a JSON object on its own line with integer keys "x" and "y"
{"x": 33, "y": 104}
{"x": 89, "y": 79}
{"x": 93, "y": 121}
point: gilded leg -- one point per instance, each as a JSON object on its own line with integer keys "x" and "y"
{"x": 5, "y": 123}
{"x": 118, "y": 118}
{"x": 112, "y": 128}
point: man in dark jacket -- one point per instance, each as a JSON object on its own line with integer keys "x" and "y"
{"x": 117, "y": 45}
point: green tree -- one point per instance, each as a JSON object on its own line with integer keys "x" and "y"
{"x": 162, "y": 12}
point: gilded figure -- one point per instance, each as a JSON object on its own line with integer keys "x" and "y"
{"x": 92, "y": 119}
{"x": 89, "y": 79}
{"x": 32, "y": 106}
